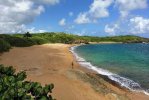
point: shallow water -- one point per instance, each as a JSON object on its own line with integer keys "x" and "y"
{"x": 131, "y": 61}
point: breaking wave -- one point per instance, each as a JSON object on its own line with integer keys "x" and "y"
{"x": 122, "y": 81}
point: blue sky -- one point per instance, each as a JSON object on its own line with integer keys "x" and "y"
{"x": 81, "y": 17}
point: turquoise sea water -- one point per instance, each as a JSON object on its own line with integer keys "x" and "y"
{"x": 130, "y": 61}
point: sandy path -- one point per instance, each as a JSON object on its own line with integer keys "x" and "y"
{"x": 51, "y": 63}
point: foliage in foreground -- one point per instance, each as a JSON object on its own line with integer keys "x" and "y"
{"x": 13, "y": 86}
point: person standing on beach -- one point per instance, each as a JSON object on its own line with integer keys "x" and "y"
{"x": 72, "y": 64}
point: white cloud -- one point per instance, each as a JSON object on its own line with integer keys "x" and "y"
{"x": 125, "y": 6}
{"x": 51, "y": 2}
{"x": 15, "y": 14}
{"x": 111, "y": 29}
{"x": 135, "y": 25}
{"x": 139, "y": 25}
{"x": 81, "y": 32}
{"x": 62, "y": 22}
{"x": 34, "y": 30}
{"x": 82, "y": 19}
{"x": 11, "y": 27}
{"x": 125, "y": 24}
{"x": 70, "y": 14}
{"x": 98, "y": 9}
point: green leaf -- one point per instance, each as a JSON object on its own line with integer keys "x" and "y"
{"x": 27, "y": 86}
{"x": 27, "y": 97}
{"x": 1, "y": 87}
{"x": 38, "y": 91}
{"x": 6, "y": 81}
{"x": 21, "y": 92}
{"x": 12, "y": 92}
{"x": 46, "y": 89}
{"x": 43, "y": 98}
{"x": 10, "y": 70}
{"x": 21, "y": 76}
{"x": 12, "y": 87}
{"x": 11, "y": 79}
{"x": 19, "y": 84}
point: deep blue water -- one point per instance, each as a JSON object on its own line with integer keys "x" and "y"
{"x": 127, "y": 60}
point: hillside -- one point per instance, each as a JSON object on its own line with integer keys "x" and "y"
{"x": 23, "y": 40}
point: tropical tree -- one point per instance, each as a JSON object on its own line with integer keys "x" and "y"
{"x": 27, "y": 34}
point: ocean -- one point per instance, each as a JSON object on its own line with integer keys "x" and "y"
{"x": 127, "y": 64}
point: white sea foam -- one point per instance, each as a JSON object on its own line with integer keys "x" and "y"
{"x": 122, "y": 81}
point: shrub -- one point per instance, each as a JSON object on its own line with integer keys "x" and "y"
{"x": 17, "y": 41}
{"x": 21, "y": 42}
{"x": 4, "y": 46}
{"x": 39, "y": 40}
{"x": 13, "y": 86}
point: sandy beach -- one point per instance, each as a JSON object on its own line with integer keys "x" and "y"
{"x": 52, "y": 63}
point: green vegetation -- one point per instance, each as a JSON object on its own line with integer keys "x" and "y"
{"x": 27, "y": 34}
{"x": 27, "y": 39}
{"x": 13, "y": 86}
{"x": 4, "y": 46}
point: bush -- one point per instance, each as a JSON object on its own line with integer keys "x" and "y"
{"x": 21, "y": 42}
{"x": 4, "y": 46}
{"x": 13, "y": 86}
{"x": 39, "y": 40}
{"x": 17, "y": 41}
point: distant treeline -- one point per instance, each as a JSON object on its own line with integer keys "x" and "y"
{"x": 24, "y": 40}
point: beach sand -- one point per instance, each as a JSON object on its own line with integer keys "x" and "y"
{"x": 52, "y": 63}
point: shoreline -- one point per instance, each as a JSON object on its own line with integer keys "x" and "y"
{"x": 106, "y": 74}
{"x": 105, "y": 77}
{"x": 51, "y": 63}
{"x": 106, "y": 42}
